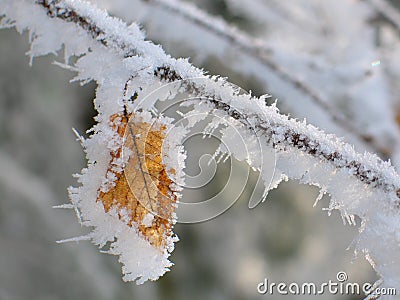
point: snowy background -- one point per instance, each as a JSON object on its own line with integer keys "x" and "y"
{"x": 332, "y": 45}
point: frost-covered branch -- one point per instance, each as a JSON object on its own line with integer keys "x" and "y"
{"x": 126, "y": 67}
{"x": 257, "y": 49}
{"x": 284, "y": 131}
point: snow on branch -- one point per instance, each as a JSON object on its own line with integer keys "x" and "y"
{"x": 295, "y": 134}
{"x": 257, "y": 49}
{"x": 126, "y": 68}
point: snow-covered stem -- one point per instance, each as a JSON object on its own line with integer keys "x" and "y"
{"x": 281, "y": 131}
{"x": 257, "y": 49}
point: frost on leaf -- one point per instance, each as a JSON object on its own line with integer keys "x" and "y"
{"x": 130, "y": 191}
{"x": 142, "y": 192}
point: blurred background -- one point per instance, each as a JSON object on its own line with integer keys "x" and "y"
{"x": 346, "y": 50}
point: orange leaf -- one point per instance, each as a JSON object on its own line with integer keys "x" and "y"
{"x": 142, "y": 192}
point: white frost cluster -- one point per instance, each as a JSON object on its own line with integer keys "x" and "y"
{"x": 141, "y": 261}
{"x": 333, "y": 58}
{"x": 109, "y": 66}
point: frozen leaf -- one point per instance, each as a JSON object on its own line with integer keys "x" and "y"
{"x": 143, "y": 187}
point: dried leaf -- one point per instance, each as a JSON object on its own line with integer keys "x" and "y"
{"x": 142, "y": 191}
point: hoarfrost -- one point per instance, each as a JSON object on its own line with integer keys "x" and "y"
{"x": 359, "y": 184}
